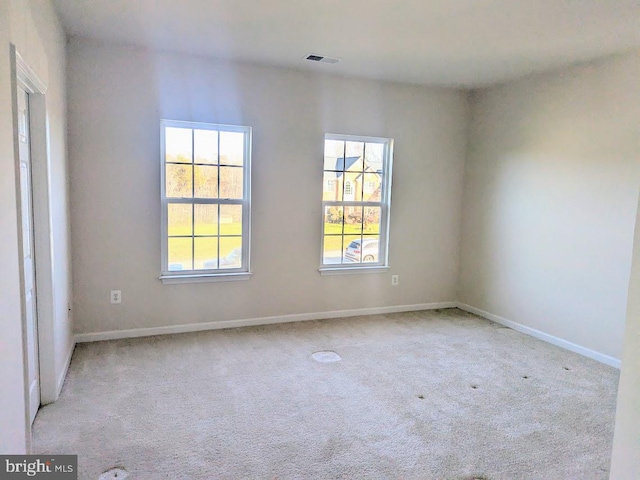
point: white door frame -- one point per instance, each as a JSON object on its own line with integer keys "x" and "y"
{"x": 24, "y": 76}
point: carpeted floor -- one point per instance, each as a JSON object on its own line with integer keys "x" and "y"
{"x": 420, "y": 395}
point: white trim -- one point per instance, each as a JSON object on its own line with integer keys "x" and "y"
{"x": 296, "y": 317}
{"x": 353, "y": 270}
{"x": 355, "y": 138}
{"x": 65, "y": 369}
{"x": 28, "y": 77}
{"x": 559, "y": 342}
{"x": 204, "y": 277}
{"x": 24, "y": 76}
{"x": 43, "y": 226}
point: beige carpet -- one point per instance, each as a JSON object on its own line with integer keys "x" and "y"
{"x": 421, "y": 395}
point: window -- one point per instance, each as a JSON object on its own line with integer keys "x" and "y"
{"x": 348, "y": 191}
{"x": 205, "y": 200}
{"x": 356, "y": 212}
{"x": 369, "y": 187}
{"x": 330, "y": 186}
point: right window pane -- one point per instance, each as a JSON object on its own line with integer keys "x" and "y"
{"x": 231, "y": 179}
{"x": 356, "y": 196}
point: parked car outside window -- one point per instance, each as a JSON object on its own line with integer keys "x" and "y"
{"x": 362, "y": 250}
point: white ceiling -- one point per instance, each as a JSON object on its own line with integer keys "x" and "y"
{"x": 440, "y": 42}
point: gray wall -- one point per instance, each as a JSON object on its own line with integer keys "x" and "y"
{"x": 117, "y": 97}
{"x": 551, "y": 190}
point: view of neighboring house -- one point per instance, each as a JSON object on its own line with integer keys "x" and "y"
{"x": 352, "y": 180}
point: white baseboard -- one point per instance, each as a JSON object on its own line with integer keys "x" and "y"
{"x": 296, "y": 317}
{"x": 559, "y": 342}
{"x": 300, "y": 317}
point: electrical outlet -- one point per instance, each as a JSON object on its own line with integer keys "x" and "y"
{"x": 116, "y": 296}
{"x": 395, "y": 280}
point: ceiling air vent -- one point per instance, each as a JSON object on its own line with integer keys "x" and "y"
{"x": 321, "y": 58}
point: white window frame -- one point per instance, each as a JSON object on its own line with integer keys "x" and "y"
{"x": 382, "y": 265}
{"x": 193, "y": 276}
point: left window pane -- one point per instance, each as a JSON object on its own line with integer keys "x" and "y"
{"x": 179, "y": 219}
{"x": 205, "y": 197}
{"x": 180, "y": 254}
{"x": 178, "y": 145}
{"x": 179, "y": 181}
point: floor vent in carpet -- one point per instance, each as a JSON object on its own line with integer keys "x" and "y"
{"x": 326, "y": 356}
{"x": 115, "y": 473}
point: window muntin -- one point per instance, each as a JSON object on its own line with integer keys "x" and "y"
{"x": 356, "y": 210}
{"x": 205, "y": 198}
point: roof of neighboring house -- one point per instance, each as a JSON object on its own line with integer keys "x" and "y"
{"x": 341, "y": 162}
{"x": 349, "y": 161}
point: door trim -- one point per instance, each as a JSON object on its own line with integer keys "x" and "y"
{"x": 26, "y": 77}
{"x": 28, "y": 250}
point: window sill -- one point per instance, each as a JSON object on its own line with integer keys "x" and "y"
{"x": 352, "y": 270}
{"x": 204, "y": 277}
